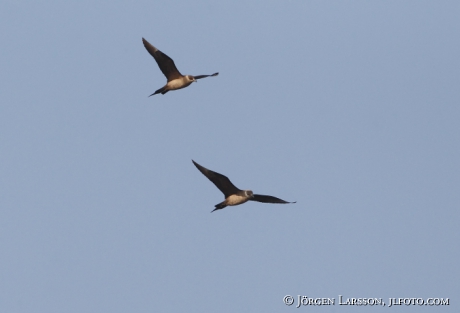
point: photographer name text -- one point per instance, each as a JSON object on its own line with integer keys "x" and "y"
{"x": 300, "y": 301}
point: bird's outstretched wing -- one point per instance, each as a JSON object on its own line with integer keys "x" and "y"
{"x": 204, "y": 76}
{"x": 165, "y": 63}
{"x": 222, "y": 182}
{"x": 268, "y": 199}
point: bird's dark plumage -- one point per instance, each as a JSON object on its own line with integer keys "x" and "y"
{"x": 233, "y": 195}
{"x": 268, "y": 199}
{"x": 222, "y": 182}
{"x": 165, "y": 63}
{"x": 204, "y": 76}
{"x": 175, "y": 80}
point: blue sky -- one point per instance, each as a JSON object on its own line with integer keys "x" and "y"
{"x": 350, "y": 108}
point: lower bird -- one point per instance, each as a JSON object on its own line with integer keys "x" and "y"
{"x": 233, "y": 195}
{"x": 175, "y": 80}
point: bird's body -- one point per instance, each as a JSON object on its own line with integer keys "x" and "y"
{"x": 233, "y": 195}
{"x": 179, "y": 83}
{"x": 175, "y": 80}
{"x": 236, "y": 200}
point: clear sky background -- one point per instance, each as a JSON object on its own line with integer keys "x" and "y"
{"x": 350, "y": 108}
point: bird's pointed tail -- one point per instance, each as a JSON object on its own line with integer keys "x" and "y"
{"x": 219, "y": 206}
{"x": 162, "y": 90}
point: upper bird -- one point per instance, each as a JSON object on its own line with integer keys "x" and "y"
{"x": 233, "y": 195}
{"x": 175, "y": 79}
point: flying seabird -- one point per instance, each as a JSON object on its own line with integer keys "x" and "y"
{"x": 233, "y": 195}
{"x": 175, "y": 79}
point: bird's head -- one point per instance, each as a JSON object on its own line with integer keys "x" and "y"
{"x": 249, "y": 193}
{"x": 191, "y": 79}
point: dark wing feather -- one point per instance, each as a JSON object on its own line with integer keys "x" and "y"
{"x": 222, "y": 182}
{"x": 165, "y": 63}
{"x": 204, "y": 76}
{"x": 268, "y": 199}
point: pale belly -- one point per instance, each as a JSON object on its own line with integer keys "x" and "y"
{"x": 235, "y": 200}
{"x": 177, "y": 84}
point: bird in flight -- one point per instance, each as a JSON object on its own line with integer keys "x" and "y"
{"x": 233, "y": 195}
{"x": 175, "y": 79}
